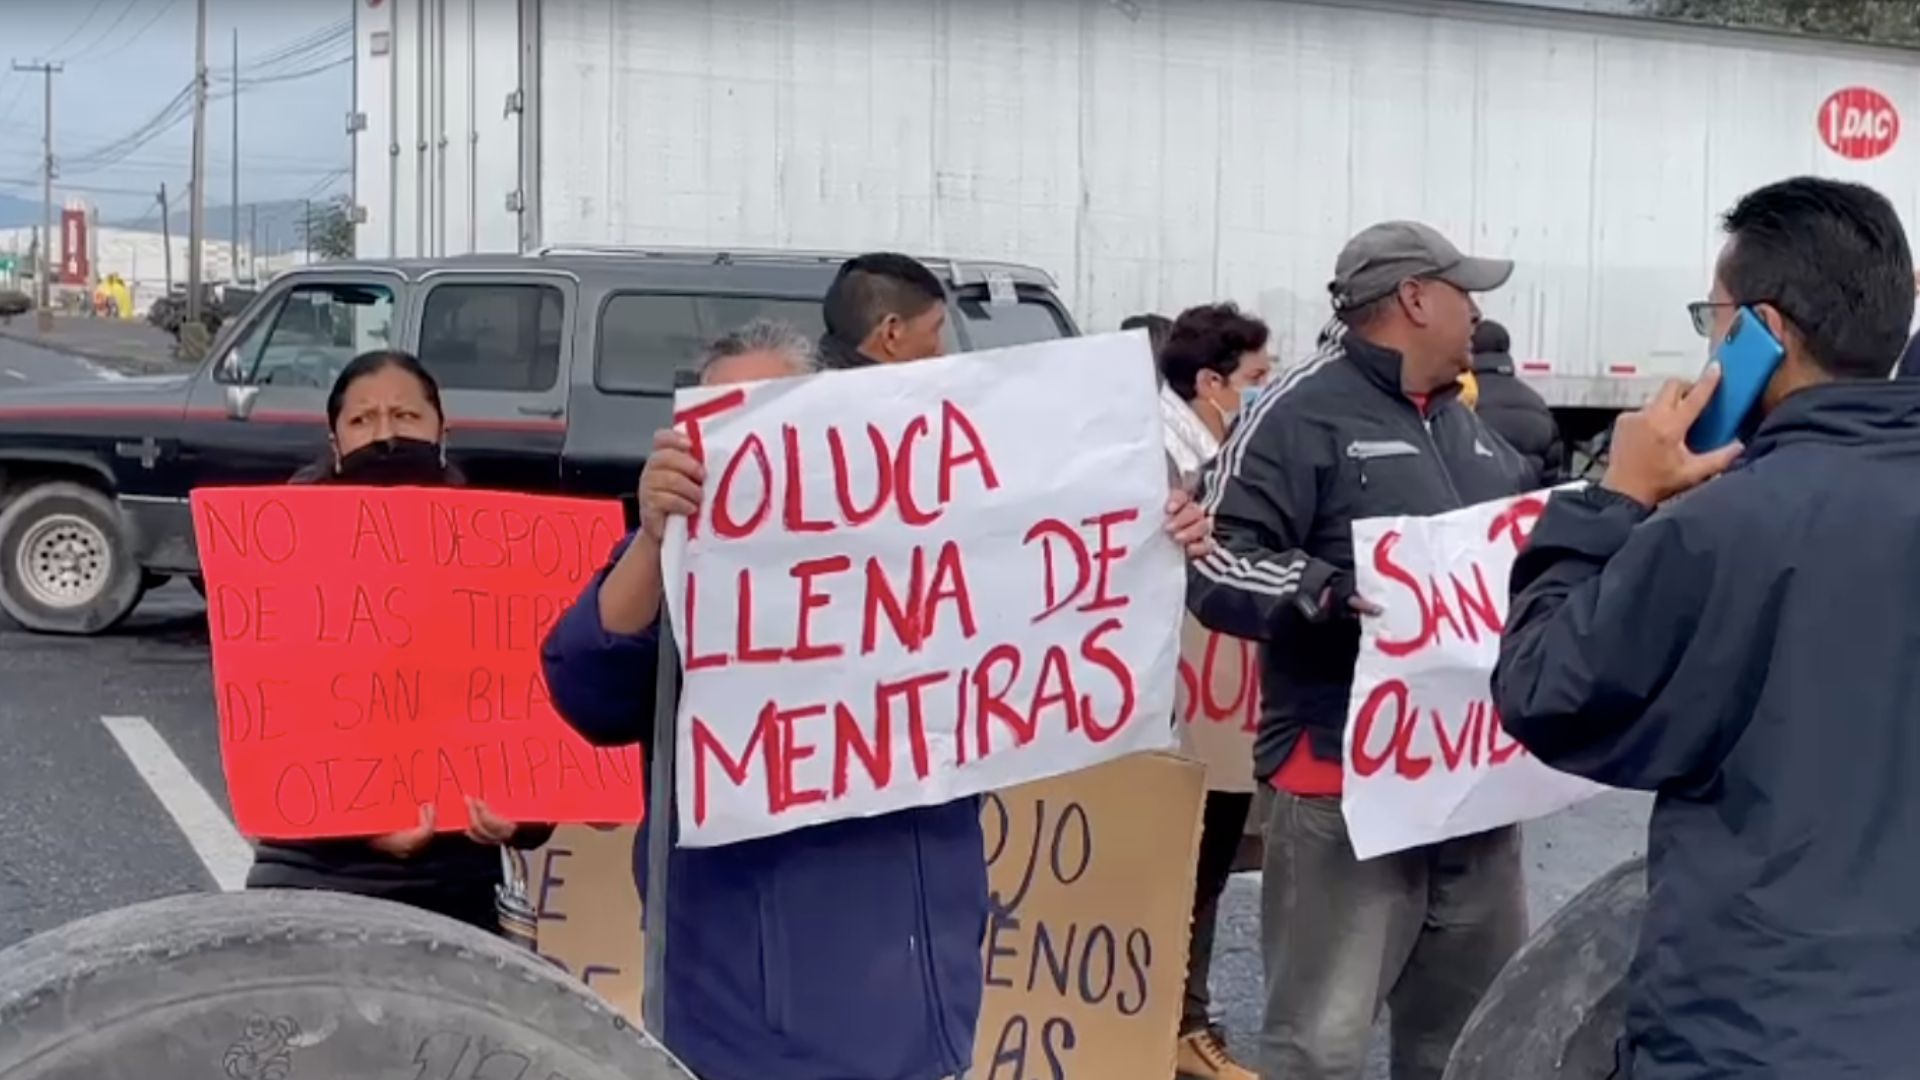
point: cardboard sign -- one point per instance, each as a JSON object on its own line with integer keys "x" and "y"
{"x": 1086, "y": 952}
{"x": 913, "y": 582}
{"x": 1426, "y": 759}
{"x": 377, "y": 649}
{"x": 1218, "y": 705}
{"x": 1086, "y": 948}
{"x": 587, "y": 911}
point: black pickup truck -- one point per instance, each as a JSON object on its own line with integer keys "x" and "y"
{"x": 555, "y": 366}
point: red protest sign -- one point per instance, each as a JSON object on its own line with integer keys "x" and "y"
{"x": 375, "y": 650}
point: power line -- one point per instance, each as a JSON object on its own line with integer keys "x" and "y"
{"x": 305, "y": 48}
{"x": 291, "y": 76}
{"x": 108, "y": 32}
{"x": 68, "y": 40}
{"x": 138, "y": 35}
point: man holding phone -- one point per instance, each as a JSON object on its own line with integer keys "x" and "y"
{"x": 1745, "y": 648}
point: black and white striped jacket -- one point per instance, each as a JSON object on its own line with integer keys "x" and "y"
{"x": 1332, "y": 441}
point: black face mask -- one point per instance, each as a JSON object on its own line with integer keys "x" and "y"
{"x": 394, "y": 463}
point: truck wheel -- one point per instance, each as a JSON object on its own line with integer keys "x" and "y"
{"x": 66, "y": 566}
{"x": 287, "y": 984}
{"x": 1558, "y": 1009}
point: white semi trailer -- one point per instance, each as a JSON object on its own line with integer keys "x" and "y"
{"x": 1150, "y": 153}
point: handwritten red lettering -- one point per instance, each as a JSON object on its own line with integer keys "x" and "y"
{"x": 1105, "y": 554}
{"x": 805, "y": 573}
{"x": 690, "y": 418}
{"x": 1517, "y": 521}
{"x": 954, "y": 427}
{"x": 856, "y": 515}
{"x": 793, "y": 514}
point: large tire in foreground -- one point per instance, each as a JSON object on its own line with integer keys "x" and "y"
{"x": 66, "y": 560}
{"x": 282, "y": 985}
{"x": 1558, "y": 1009}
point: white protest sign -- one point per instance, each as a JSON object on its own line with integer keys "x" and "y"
{"x": 914, "y": 582}
{"x": 1425, "y": 757}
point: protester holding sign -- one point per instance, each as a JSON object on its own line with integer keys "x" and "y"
{"x": 843, "y": 951}
{"x": 1370, "y": 426}
{"x": 1745, "y": 648}
{"x": 1214, "y": 360}
{"x": 386, "y": 428}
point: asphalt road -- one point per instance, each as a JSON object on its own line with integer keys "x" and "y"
{"x": 24, "y": 365}
{"x": 87, "y": 832}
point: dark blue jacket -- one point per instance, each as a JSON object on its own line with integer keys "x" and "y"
{"x": 1749, "y": 652}
{"x": 848, "y": 951}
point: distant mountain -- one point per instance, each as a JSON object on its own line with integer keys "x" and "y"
{"x": 16, "y": 212}
{"x": 277, "y": 225}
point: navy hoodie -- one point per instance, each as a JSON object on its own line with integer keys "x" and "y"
{"x": 846, "y": 951}
{"x": 1748, "y": 652}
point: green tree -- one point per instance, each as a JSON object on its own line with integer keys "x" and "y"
{"x": 329, "y": 234}
{"x": 1883, "y": 22}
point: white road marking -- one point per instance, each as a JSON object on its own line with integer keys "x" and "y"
{"x": 226, "y": 856}
{"x": 12, "y": 374}
{"x": 101, "y": 370}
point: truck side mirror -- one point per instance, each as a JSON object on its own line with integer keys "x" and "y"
{"x": 240, "y": 401}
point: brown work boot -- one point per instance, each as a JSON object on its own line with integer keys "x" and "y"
{"x": 1203, "y": 1056}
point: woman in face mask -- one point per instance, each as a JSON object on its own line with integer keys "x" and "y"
{"x": 386, "y": 429}
{"x": 1213, "y": 364}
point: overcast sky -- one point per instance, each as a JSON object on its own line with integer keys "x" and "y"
{"x": 126, "y": 59}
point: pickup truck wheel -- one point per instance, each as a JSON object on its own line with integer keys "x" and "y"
{"x": 66, "y": 566}
{"x": 289, "y": 984}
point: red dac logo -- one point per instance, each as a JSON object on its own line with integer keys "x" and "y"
{"x": 1859, "y": 124}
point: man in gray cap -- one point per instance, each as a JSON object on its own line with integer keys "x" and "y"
{"x": 1370, "y": 426}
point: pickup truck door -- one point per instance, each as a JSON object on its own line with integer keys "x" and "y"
{"x": 257, "y": 414}
{"x": 500, "y": 345}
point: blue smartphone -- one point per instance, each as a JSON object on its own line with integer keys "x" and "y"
{"x": 1748, "y": 356}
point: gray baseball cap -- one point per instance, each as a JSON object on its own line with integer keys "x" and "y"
{"x": 1376, "y": 261}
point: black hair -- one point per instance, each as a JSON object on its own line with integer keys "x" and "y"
{"x": 1833, "y": 258}
{"x": 869, "y": 288}
{"x": 372, "y": 363}
{"x": 1212, "y": 337}
{"x": 1491, "y": 337}
{"x": 1156, "y": 326}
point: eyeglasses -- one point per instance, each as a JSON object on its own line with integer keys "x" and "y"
{"x": 1701, "y": 312}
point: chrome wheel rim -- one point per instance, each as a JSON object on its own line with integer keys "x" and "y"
{"x": 64, "y": 561}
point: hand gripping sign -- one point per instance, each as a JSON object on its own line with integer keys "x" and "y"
{"x": 915, "y": 582}
{"x": 1425, "y": 757}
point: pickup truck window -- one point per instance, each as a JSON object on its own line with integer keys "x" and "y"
{"x": 997, "y": 327}
{"x": 646, "y": 337}
{"x": 493, "y": 336}
{"x": 312, "y": 333}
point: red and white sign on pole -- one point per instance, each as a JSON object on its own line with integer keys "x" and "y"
{"x": 75, "y": 267}
{"x": 1859, "y": 124}
{"x": 1425, "y": 757}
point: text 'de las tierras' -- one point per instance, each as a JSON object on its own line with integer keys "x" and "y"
{"x": 376, "y": 650}
{"x": 915, "y": 582}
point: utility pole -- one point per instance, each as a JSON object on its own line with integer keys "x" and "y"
{"x": 197, "y": 201}
{"x": 233, "y": 228}
{"x": 166, "y": 235}
{"x": 253, "y": 244}
{"x": 44, "y": 272}
{"x": 306, "y": 234}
